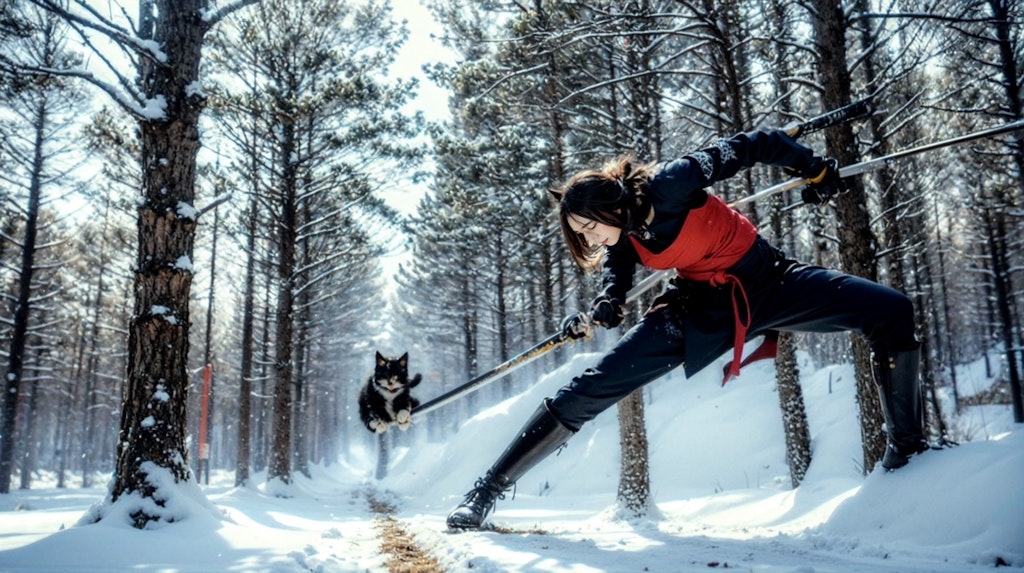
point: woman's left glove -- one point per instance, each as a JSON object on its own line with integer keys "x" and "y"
{"x": 824, "y": 182}
{"x": 607, "y": 311}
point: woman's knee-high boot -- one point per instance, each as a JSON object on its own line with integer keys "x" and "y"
{"x": 542, "y": 435}
{"x": 896, "y": 374}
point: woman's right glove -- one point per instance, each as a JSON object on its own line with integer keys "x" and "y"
{"x": 824, "y": 182}
{"x": 605, "y": 311}
{"x": 575, "y": 326}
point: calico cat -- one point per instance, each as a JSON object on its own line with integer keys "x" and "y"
{"x": 385, "y": 399}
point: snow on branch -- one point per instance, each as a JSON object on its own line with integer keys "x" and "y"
{"x": 97, "y": 23}
{"x": 211, "y": 17}
{"x": 150, "y": 109}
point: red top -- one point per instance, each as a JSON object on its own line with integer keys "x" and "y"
{"x": 713, "y": 238}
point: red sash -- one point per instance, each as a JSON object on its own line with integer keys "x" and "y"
{"x": 713, "y": 239}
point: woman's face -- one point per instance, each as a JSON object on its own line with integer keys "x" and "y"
{"x": 594, "y": 232}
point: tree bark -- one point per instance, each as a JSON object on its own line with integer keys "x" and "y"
{"x": 634, "y": 477}
{"x": 794, "y": 412}
{"x": 153, "y": 417}
{"x": 284, "y": 350}
{"x": 28, "y": 433}
{"x": 243, "y": 462}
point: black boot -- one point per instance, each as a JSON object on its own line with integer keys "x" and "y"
{"x": 542, "y": 435}
{"x": 896, "y": 374}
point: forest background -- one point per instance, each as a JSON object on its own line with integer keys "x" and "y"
{"x": 276, "y": 240}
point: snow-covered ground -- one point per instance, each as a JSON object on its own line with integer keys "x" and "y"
{"x": 718, "y": 476}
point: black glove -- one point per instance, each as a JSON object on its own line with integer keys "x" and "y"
{"x": 824, "y": 182}
{"x": 607, "y": 312}
{"x": 575, "y": 326}
{"x": 674, "y": 297}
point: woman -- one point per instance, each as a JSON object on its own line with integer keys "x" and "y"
{"x": 731, "y": 285}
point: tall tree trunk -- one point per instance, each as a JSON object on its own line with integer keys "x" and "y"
{"x": 501, "y": 309}
{"x": 1000, "y": 282}
{"x": 552, "y": 278}
{"x": 469, "y": 332}
{"x": 93, "y": 360}
{"x": 284, "y": 379}
{"x": 204, "y": 464}
{"x": 794, "y": 413}
{"x": 856, "y": 242}
{"x": 634, "y": 476}
{"x": 949, "y": 354}
{"x": 724, "y": 25}
{"x": 891, "y": 194}
{"x": 23, "y": 305}
{"x": 63, "y": 434}
{"x": 787, "y": 373}
{"x": 153, "y": 418}
{"x": 264, "y": 426}
{"x": 261, "y": 456}
{"x": 86, "y": 421}
{"x": 303, "y": 402}
{"x": 1007, "y": 35}
{"x": 29, "y": 447}
{"x": 642, "y": 98}
{"x": 243, "y": 462}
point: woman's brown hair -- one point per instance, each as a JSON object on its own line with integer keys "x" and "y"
{"x": 613, "y": 195}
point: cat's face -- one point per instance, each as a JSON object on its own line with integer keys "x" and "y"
{"x": 391, "y": 374}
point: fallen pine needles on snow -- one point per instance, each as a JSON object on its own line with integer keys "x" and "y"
{"x": 404, "y": 555}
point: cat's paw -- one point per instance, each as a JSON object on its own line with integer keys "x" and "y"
{"x": 404, "y": 419}
{"x": 378, "y": 426}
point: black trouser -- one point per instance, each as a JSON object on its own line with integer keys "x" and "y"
{"x": 802, "y": 298}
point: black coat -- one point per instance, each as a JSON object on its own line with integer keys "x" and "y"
{"x": 674, "y": 189}
{"x": 698, "y": 324}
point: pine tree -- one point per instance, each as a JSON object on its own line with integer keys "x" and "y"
{"x": 44, "y": 108}
{"x": 165, "y": 42}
